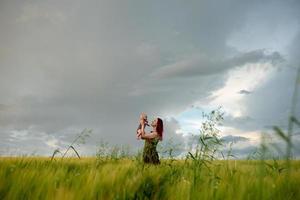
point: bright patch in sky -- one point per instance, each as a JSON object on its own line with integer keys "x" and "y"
{"x": 246, "y": 79}
{"x": 190, "y": 121}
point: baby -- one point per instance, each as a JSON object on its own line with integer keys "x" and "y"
{"x": 143, "y": 116}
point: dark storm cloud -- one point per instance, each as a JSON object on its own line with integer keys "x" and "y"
{"x": 69, "y": 65}
{"x": 244, "y": 92}
{"x": 245, "y": 123}
{"x": 205, "y": 65}
{"x": 232, "y": 138}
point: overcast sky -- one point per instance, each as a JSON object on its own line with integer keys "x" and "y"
{"x": 67, "y": 65}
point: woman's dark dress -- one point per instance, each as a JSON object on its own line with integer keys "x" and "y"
{"x": 150, "y": 154}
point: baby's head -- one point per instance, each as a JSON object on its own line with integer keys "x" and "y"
{"x": 143, "y": 116}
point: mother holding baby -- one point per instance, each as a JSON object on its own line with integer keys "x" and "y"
{"x": 150, "y": 154}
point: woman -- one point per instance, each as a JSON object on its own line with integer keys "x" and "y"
{"x": 150, "y": 154}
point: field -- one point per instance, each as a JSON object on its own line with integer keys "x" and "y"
{"x": 91, "y": 178}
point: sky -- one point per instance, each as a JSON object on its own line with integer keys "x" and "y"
{"x": 68, "y": 65}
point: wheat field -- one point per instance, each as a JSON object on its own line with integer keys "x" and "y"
{"x": 128, "y": 178}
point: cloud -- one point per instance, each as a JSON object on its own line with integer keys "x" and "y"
{"x": 271, "y": 103}
{"x": 69, "y": 66}
{"x": 172, "y": 139}
{"x": 242, "y": 153}
{"x": 35, "y": 12}
{"x": 244, "y": 92}
{"x": 245, "y": 123}
{"x": 235, "y": 139}
{"x": 205, "y": 65}
{"x": 4, "y": 108}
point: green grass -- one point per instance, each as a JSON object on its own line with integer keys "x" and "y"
{"x": 88, "y": 178}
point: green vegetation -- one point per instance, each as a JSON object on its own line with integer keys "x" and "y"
{"x": 87, "y": 178}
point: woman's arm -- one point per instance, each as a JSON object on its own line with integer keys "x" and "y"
{"x": 149, "y": 135}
